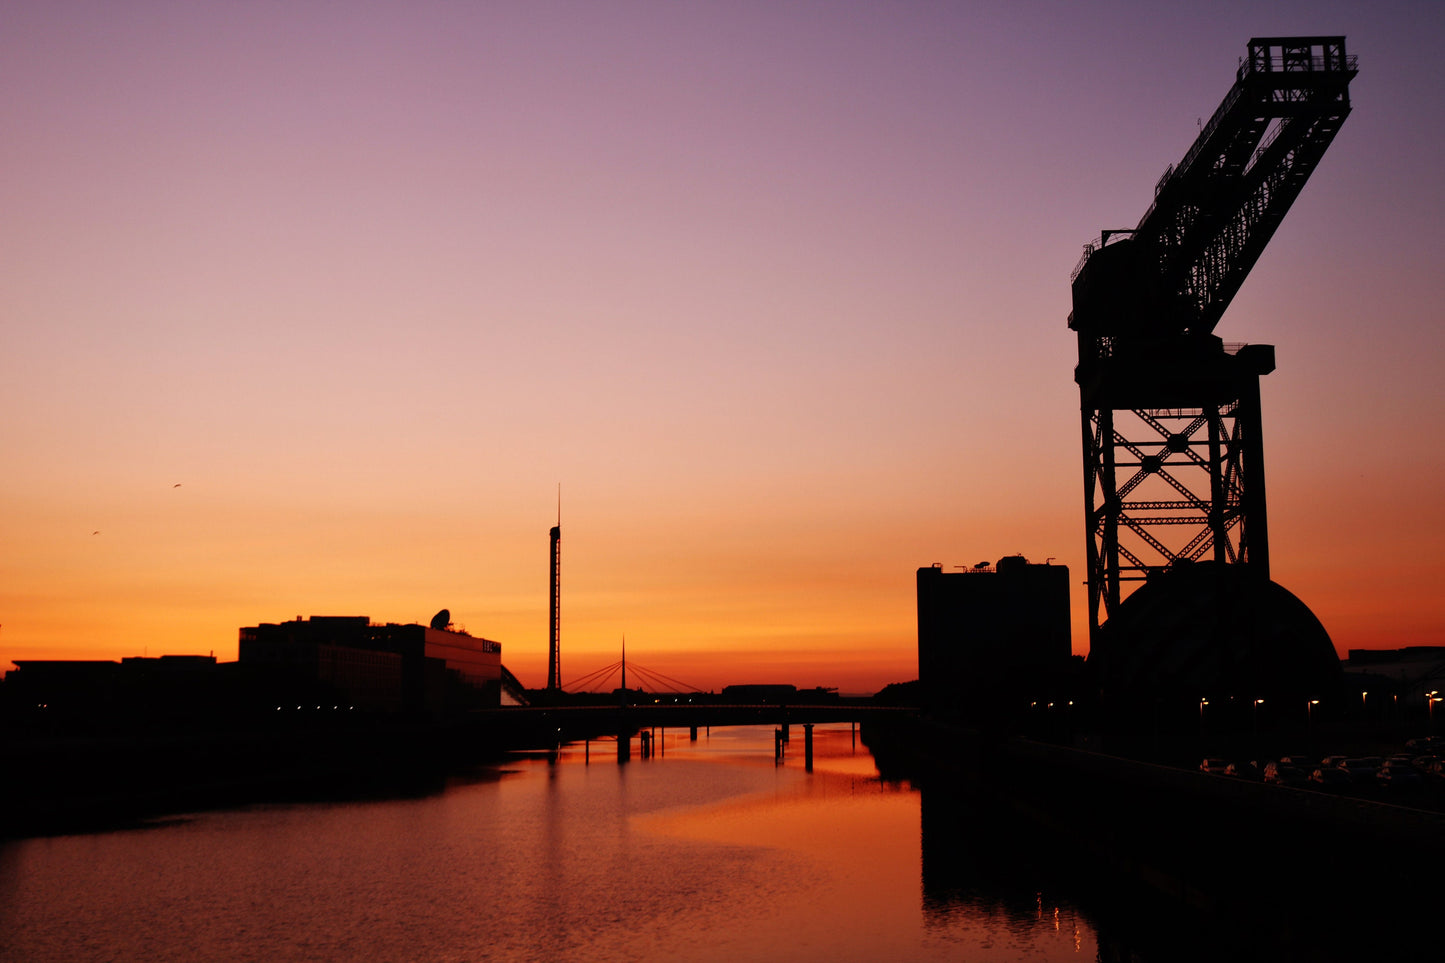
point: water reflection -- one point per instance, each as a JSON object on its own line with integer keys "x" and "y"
{"x": 978, "y": 876}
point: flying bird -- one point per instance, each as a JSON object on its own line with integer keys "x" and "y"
{"x": 95, "y": 533}
{"x": 176, "y": 485}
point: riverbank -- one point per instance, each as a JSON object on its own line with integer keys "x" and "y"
{"x": 70, "y": 783}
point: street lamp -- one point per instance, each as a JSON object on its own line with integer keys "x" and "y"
{"x": 1257, "y": 703}
{"x": 1432, "y": 697}
{"x": 1309, "y": 711}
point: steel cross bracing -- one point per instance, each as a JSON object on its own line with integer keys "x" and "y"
{"x": 1170, "y": 415}
{"x": 1168, "y": 458}
{"x": 1169, "y": 484}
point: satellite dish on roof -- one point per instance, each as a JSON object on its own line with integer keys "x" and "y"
{"x": 442, "y": 619}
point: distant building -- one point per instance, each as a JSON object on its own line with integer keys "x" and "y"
{"x": 135, "y": 690}
{"x": 771, "y": 694}
{"x": 991, "y": 634}
{"x": 75, "y": 674}
{"x": 63, "y": 685}
{"x": 415, "y": 669}
{"x": 1406, "y": 674}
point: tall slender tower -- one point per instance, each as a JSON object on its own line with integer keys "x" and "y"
{"x": 554, "y": 657}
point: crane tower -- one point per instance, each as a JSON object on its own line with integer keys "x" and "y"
{"x": 1173, "y": 457}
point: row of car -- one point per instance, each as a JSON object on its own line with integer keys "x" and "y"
{"x": 1412, "y": 771}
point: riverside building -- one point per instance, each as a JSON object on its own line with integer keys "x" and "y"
{"x": 432, "y": 670}
{"x": 992, "y": 635}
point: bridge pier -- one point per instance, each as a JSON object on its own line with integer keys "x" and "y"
{"x": 778, "y": 741}
{"x": 807, "y": 747}
{"x": 692, "y": 734}
{"x": 624, "y": 746}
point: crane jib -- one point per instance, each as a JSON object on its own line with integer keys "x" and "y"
{"x": 1214, "y": 211}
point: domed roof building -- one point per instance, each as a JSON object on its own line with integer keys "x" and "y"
{"x": 1207, "y": 629}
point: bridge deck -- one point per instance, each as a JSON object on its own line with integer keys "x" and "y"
{"x": 520, "y": 725}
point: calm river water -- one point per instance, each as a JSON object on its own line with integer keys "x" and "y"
{"x": 708, "y": 851}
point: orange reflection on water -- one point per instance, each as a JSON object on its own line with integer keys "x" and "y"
{"x": 858, "y": 850}
{"x": 851, "y": 847}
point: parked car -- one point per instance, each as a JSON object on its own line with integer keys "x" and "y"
{"x": 1331, "y": 779}
{"x": 1244, "y": 770}
{"x": 1362, "y": 767}
{"x": 1427, "y": 765}
{"x": 1283, "y": 774}
{"x": 1398, "y": 775}
{"x": 1216, "y": 766}
{"x": 1430, "y": 744}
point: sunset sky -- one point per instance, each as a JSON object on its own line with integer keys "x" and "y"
{"x": 777, "y": 292}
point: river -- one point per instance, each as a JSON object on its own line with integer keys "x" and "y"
{"x": 708, "y": 850}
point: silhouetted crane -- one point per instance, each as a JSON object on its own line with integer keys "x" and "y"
{"x": 1187, "y": 455}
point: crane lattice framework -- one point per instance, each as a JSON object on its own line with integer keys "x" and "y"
{"x": 1173, "y": 459}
